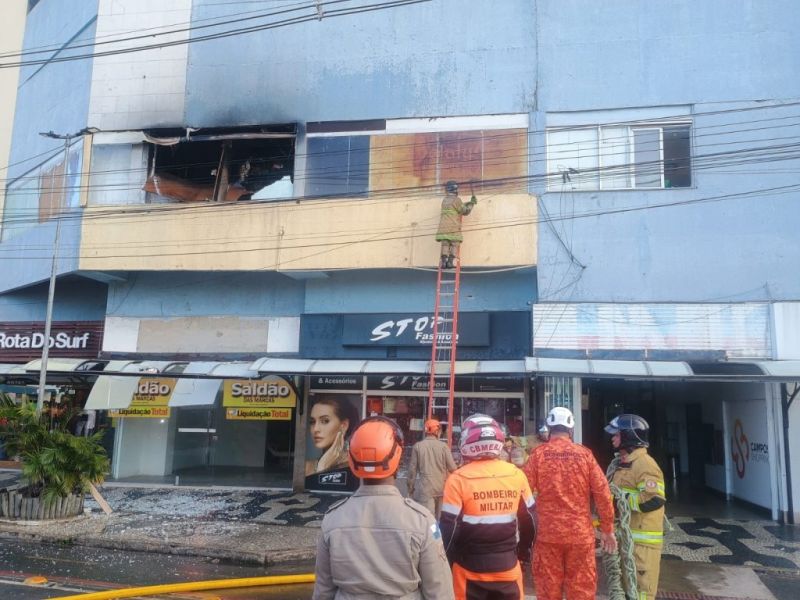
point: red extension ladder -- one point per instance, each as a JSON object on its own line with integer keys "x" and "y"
{"x": 443, "y": 346}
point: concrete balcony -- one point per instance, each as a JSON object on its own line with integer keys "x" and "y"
{"x": 307, "y": 235}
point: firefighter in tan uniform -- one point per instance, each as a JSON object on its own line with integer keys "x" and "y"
{"x": 449, "y": 232}
{"x": 432, "y": 461}
{"x": 377, "y": 544}
{"x": 642, "y": 481}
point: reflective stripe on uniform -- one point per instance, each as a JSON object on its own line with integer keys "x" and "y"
{"x": 489, "y": 519}
{"x": 451, "y": 508}
{"x": 530, "y": 501}
{"x": 647, "y": 537}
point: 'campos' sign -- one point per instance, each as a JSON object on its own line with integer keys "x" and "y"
{"x": 750, "y": 451}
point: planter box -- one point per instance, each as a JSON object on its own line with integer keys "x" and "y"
{"x": 13, "y": 505}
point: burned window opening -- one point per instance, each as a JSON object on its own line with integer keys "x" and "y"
{"x": 221, "y": 165}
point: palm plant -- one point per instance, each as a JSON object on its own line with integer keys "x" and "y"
{"x": 55, "y": 463}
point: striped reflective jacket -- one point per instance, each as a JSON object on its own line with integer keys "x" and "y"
{"x": 487, "y": 510}
{"x": 642, "y": 480}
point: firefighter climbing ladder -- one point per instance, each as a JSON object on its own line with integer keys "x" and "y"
{"x": 443, "y": 348}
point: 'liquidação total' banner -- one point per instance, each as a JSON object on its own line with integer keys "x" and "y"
{"x": 258, "y": 414}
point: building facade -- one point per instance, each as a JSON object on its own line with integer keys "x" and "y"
{"x": 251, "y": 194}
{"x": 13, "y": 15}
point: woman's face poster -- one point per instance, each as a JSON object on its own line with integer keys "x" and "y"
{"x": 331, "y": 420}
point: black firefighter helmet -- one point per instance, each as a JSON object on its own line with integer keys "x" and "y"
{"x": 633, "y": 430}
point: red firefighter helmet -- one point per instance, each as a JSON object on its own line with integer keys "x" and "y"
{"x": 481, "y": 437}
{"x": 375, "y": 448}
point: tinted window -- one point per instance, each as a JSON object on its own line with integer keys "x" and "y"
{"x": 677, "y": 157}
{"x": 337, "y": 166}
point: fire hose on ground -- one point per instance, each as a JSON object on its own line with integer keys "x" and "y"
{"x": 193, "y": 586}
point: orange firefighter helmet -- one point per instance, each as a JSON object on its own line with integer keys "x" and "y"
{"x": 432, "y": 426}
{"x": 375, "y": 448}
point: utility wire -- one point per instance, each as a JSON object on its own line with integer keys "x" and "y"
{"x": 739, "y": 157}
{"x": 399, "y": 163}
{"x": 328, "y": 14}
{"x": 115, "y": 39}
{"x": 408, "y": 233}
{"x": 318, "y": 174}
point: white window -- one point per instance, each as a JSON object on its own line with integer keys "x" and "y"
{"x": 613, "y": 157}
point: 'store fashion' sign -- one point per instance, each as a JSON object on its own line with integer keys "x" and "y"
{"x": 412, "y": 329}
{"x": 24, "y": 340}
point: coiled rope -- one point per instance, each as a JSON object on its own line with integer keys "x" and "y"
{"x": 620, "y": 567}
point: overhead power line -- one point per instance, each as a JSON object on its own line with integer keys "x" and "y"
{"x": 761, "y": 154}
{"x": 777, "y": 153}
{"x": 114, "y": 38}
{"x": 317, "y": 174}
{"x": 406, "y": 232}
{"x": 328, "y": 14}
{"x": 486, "y": 136}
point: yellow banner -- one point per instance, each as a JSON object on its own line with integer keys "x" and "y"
{"x": 152, "y": 391}
{"x": 259, "y": 393}
{"x": 142, "y": 412}
{"x": 258, "y": 414}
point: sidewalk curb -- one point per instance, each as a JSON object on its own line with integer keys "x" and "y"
{"x": 290, "y": 555}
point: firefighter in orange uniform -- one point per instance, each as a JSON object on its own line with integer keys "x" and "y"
{"x": 641, "y": 480}
{"x": 487, "y": 517}
{"x": 565, "y": 478}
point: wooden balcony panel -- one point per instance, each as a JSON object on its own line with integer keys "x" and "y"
{"x": 372, "y": 232}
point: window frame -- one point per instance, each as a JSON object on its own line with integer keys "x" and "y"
{"x": 439, "y": 126}
{"x": 553, "y": 178}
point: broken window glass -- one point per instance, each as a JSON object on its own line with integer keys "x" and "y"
{"x": 221, "y": 165}
{"x": 117, "y": 174}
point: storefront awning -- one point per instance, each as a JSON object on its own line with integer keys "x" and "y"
{"x": 10, "y": 370}
{"x": 58, "y": 369}
{"x": 757, "y": 371}
{"x": 389, "y": 367}
{"x": 66, "y": 365}
{"x": 644, "y": 369}
{"x": 194, "y": 391}
{"x": 116, "y": 391}
{"x": 785, "y": 370}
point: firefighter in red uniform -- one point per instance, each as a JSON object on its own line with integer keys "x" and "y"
{"x": 565, "y": 478}
{"x": 487, "y": 517}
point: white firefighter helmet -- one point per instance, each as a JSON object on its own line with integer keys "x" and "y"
{"x": 560, "y": 416}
